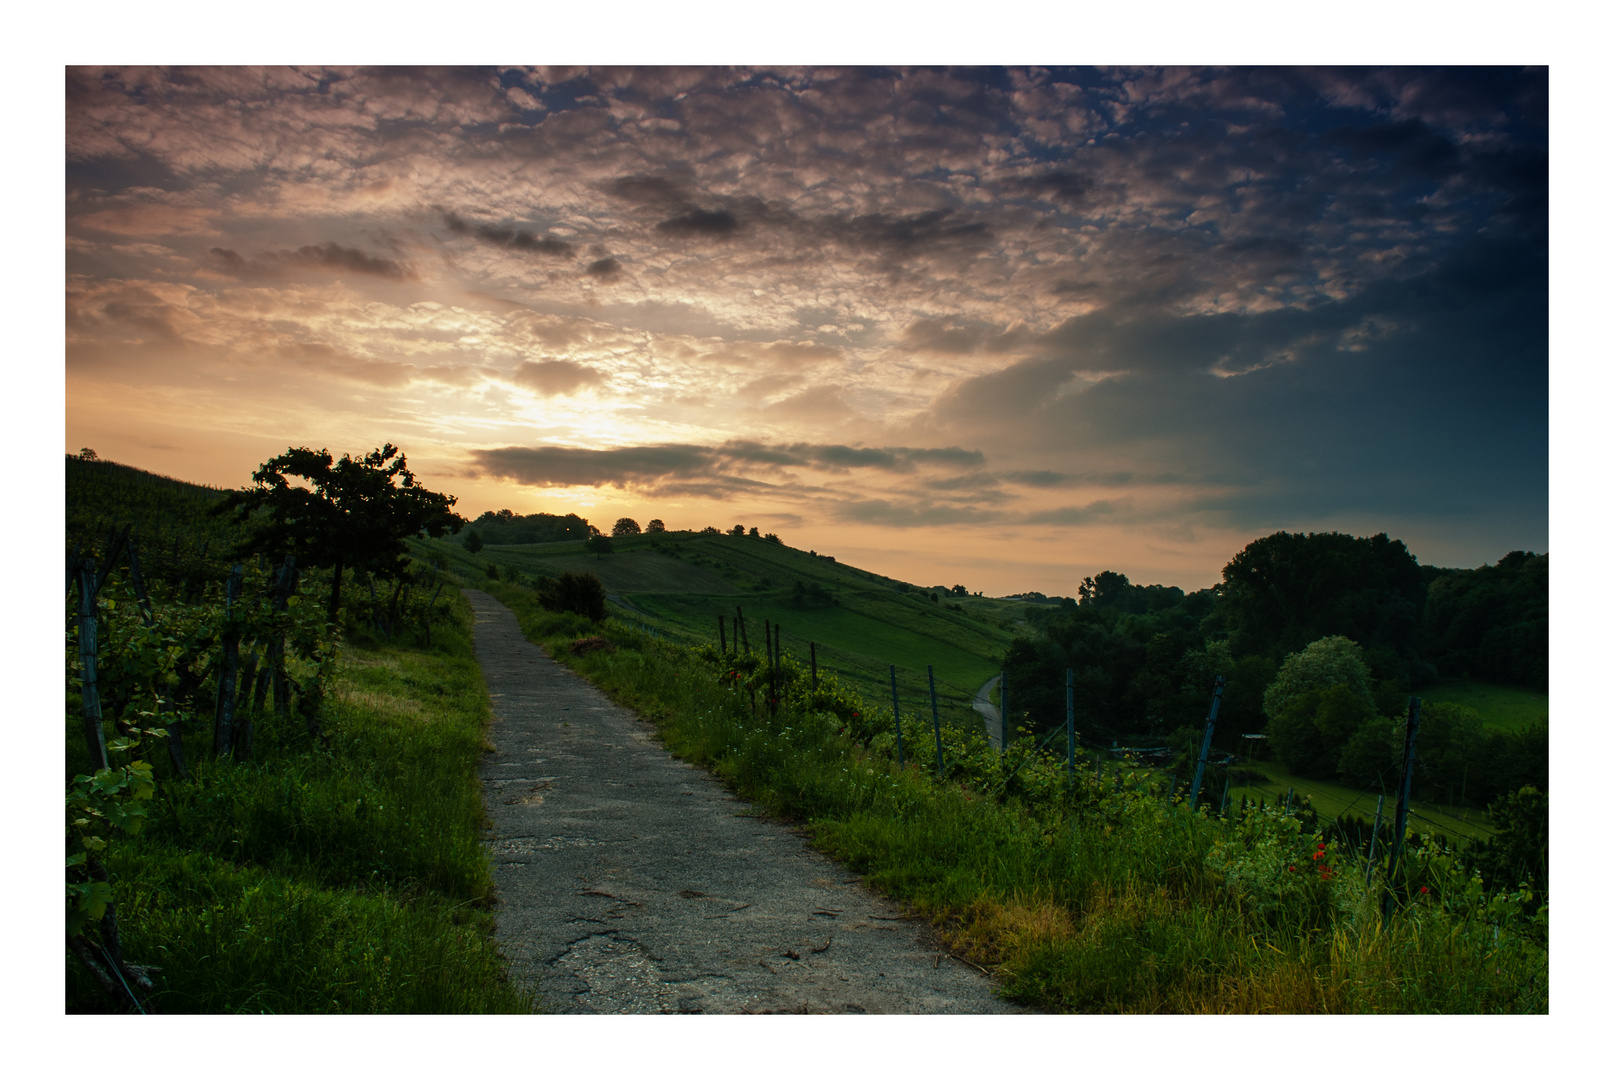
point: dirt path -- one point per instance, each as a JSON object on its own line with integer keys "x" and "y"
{"x": 989, "y": 712}
{"x": 630, "y": 882}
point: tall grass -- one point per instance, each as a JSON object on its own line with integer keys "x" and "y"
{"x": 346, "y": 877}
{"x": 1087, "y": 895}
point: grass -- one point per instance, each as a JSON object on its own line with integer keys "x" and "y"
{"x": 679, "y": 583}
{"x": 1505, "y": 708}
{"x": 340, "y": 879}
{"x": 1087, "y": 898}
{"x": 1334, "y": 800}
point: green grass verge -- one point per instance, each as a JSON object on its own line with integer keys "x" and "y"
{"x": 340, "y": 879}
{"x": 1091, "y": 897}
{"x": 1334, "y": 800}
{"x": 1506, "y": 708}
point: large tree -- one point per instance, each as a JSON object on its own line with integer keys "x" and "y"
{"x": 1288, "y": 589}
{"x": 352, "y": 514}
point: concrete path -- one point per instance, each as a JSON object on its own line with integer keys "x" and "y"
{"x": 630, "y": 882}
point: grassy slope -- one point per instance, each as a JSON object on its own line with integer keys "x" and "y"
{"x": 1507, "y": 708}
{"x": 682, "y": 588}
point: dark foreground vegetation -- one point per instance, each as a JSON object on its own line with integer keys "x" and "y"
{"x": 318, "y": 852}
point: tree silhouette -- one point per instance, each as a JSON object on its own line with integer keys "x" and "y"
{"x": 353, "y": 514}
{"x": 473, "y": 542}
{"x": 656, "y": 526}
{"x": 625, "y": 526}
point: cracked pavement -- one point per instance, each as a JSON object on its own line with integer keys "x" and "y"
{"x": 631, "y": 882}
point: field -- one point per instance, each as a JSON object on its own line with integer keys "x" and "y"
{"x": 1507, "y": 708}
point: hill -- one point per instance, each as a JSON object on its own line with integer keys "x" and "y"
{"x": 178, "y": 537}
{"x": 678, "y": 584}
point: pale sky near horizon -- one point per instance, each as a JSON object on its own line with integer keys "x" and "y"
{"x": 1002, "y": 327}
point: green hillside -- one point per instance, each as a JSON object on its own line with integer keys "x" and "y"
{"x": 678, "y": 584}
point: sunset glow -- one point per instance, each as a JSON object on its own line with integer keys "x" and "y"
{"x": 1001, "y": 327}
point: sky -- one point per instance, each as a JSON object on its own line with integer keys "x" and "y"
{"x": 1003, "y": 327}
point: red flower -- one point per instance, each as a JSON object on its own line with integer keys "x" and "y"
{"x": 1424, "y": 889}
{"x": 1291, "y": 869}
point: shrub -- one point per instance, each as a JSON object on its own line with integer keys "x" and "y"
{"x": 580, "y": 594}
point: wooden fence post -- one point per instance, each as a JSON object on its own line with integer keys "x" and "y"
{"x": 224, "y": 716}
{"x": 1403, "y": 797}
{"x": 895, "y": 716}
{"x": 1070, "y": 722}
{"x": 1204, "y": 745}
{"x": 935, "y": 714}
{"x": 94, "y": 736}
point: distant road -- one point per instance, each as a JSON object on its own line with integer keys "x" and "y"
{"x": 989, "y": 712}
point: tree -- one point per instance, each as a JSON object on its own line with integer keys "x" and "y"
{"x": 959, "y": 590}
{"x": 1287, "y": 589}
{"x": 599, "y": 544}
{"x": 354, "y": 514}
{"x": 86, "y": 454}
{"x": 473, "y": 542}
{"x": 753, "y": 530}
{"x": 656, "y": 526}
{"x": 625, "y": 526}
{"x": 772, "y": 538}
{"x": 582, "y": 594}
{"x": 1320, "y": 698}
{"x": 738, "y": 530}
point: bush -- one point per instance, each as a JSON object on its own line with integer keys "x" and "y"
{"x": 580, "y": 594}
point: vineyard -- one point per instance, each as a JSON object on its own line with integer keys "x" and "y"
{"x": 266, "y": 810}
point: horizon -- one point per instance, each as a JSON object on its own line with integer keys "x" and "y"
{"x": 1005, "y": 327}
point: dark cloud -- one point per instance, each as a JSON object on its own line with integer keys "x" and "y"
{"x": 522, "y": 240}
{"x": 657, "y": 465}
{"x": 339, "y": 259}
{"x": 1066, "y": 187}
{"x": 1102, "y": 509}
{"x": 329, "y": 258}
{"x": 606, "y": 269}
{"x": 704, "y": 223}
{"x": 552, "y": 377}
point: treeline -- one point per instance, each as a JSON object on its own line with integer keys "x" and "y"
{"x": 505, "y": 527}
{"x": 1145, "y": 658}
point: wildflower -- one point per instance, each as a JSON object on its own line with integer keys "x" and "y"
{"x": 1424, "y": 889}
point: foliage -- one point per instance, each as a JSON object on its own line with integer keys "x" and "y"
{"x": 355, "y": 513}
{"x": 625, "y": 526}
{"x": 581, "y": 594}
{"x": 506, "y": 527}
{"x": 473, "y": 542}
{"x": 1288, "y": 589}
{"x": 1518, "y": 852}
{"x": 1324, "y": 663}
{"x": 599, "y": 545}
{"x": 345, "y": 876}
{"x": 1491, "y": 623}
{"x": 656, "y": 525}
{"x": 98, "y": 807}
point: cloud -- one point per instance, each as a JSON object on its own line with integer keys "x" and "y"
{"x": 652, "y": 465}
{"x": 522, "y": 240}
{"x": 702, "y": 223}
{"x": 554, "y": 377}
{"x": 607, "y": 269}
